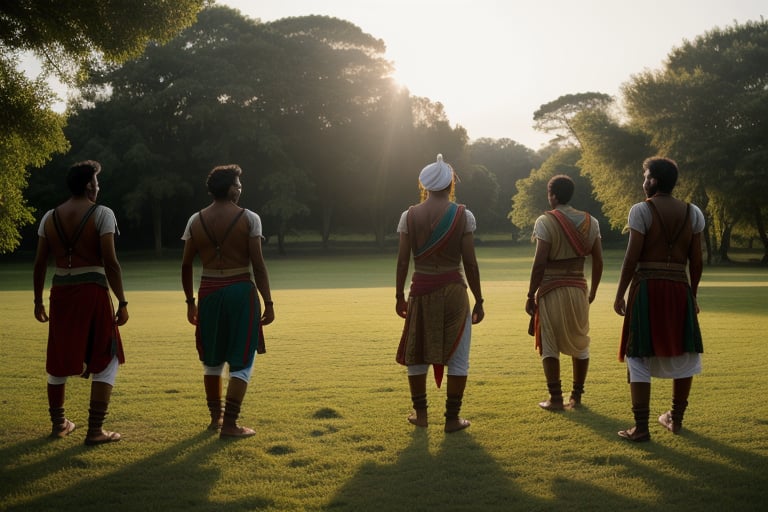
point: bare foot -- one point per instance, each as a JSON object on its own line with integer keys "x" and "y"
{"x": 456, "y": 424}
{"x": 414, "y": 419}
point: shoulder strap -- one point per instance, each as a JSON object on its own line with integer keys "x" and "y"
{"x": 208, "y": 233}
{"x": 70, "y": 244}
{"x": 232, "y": 224}
{"x": 577, "y": 240}
{"x": 213, "y": 240}
{"x": 671, "y": 239}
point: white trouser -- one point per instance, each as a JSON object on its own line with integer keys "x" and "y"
{"x": 107, "y": 375}
{"x": 458, "y": 365}
{"x": 244, "y": 374}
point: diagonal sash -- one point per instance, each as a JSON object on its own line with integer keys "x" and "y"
{"x": 442, "y": 232}
{"x": 576, "y": 238}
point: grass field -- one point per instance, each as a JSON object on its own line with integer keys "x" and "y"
{"x": 329, "y": 406}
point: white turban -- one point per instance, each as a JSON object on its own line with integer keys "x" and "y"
{"x": 436, "y": 176}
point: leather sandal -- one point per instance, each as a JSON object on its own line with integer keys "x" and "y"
{"x": 66, "y": 428}
{"x": 549, "y": 405}
{"x": 240, "y": 433}
{"x": 105, "y": 437}
{"x": 632, "y": 435}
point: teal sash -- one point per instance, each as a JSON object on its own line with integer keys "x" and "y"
{"x": 442, "y": 232}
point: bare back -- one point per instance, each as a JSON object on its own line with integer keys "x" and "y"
{"x": 86, "y": 246}
{"x": 669, "y": 236}
{"x": 221, "y": 243}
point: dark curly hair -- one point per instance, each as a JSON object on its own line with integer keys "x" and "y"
{"x": 80, "y": 175}
{"x": 663, "y": 170}
{"x": 221, "y": 178}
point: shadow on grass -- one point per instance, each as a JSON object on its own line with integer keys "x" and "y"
{"x": 178, "y": 478}
{"x": 421, "y": 480}
{"x": 461, "y": 476}
{"x": 706, "y": 475}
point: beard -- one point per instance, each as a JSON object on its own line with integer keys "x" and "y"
{"x": 651, "y": 190}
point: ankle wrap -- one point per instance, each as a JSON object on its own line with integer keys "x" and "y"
{"x": 96, "y": 414}
{"x": 452, "y": 407}
{"x": 555, "y": 391}
{"x": 641, "y": 417}
{"x": 419, "y": 401}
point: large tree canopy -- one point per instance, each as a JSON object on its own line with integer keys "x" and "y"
{"x": 611, "y": 155}
{"x": 530, "y": 201}
{"x": 305, "y": 106}
{"x": 508, "y": 162}
{"x": 556, "y": 116}
{"x": 29, "y": 133}
{"x": 70, "y": 38}
{"x": 708, "y": 109}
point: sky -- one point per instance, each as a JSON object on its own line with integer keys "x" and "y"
{"x": 493, "y": 63}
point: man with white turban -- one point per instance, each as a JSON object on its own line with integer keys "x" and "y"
{"x": 439, "y": 234}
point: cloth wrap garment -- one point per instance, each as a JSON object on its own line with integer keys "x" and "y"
{"x": 83, "y": 337}
{"x": 228, "y": 328}
{"x": 661, "y": 319}
{"x": 438, "y": 305}
{"x": 561, "y": 319}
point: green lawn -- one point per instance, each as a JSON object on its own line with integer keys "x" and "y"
{"x": 329, "y": 405}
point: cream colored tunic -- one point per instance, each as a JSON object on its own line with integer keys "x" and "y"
{"x": 564, "y": 310}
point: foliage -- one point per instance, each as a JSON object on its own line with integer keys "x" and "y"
{"x": 556, "y": 116}
{"x": 70, "y": 38}
{"x": 304, "y": 105}
{"x": 507, "y": 161}
{"x": 708, "y": 108}
{"x": 610, "y": 158}
{"x": 531, "y": 201}
{"x": 74, "y": 37}
{"x": 30, "y": 132}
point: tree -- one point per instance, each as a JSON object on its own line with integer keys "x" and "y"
{"x": 70, "y": 38}
{"x": 556, "y": 116}
{"x": 31, "y": 131}
{"x": 708, "y": 109}
{"x": 508, "y": 162}
{"x": 479, "y": 191}
{"x": 611, "y": 157}
{"x": 531, "y": 198}
{"x": 340, "y": 77}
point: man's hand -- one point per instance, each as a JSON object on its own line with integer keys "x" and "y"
{"x": 40, "y": 313}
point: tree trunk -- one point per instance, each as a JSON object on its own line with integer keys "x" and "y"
{"x": 761, "y": 231}
{"x": 157, "y": 226}
{"x": 725, "y": 243}
{"x": 708, "y": 242}
{"x": 281, "y": 237}
{"x": 379, "y": 232}
{"x": 326, "y": 229}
